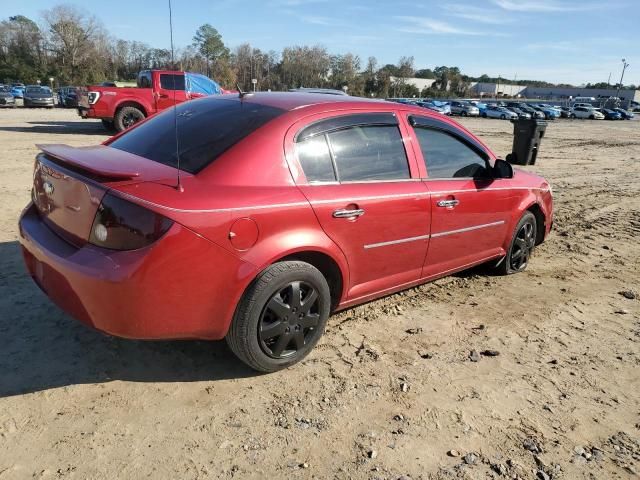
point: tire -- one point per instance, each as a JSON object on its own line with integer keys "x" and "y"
{"x": 127, "y": 116}
{"x": 484, "y": 115}
{"x": 266, "y": 332}
{"x": 521, "y": 246}
{"x": 108, "y": 125}
{"x": 591, "y": 117}
{"x": 463, "y": 114}
{"x": 572, "y": 116}
{"x": 503, "y": 117}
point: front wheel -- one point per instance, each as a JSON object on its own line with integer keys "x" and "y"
{"x": 521, "y": 246}
{"x": 280, "y": 317}
{"x": 463, "y": 114}
{"x": 503, "y": 117}
{"x": 572, "y": 116}
{"x": 591, "y": 117}
{"x": 484, "y": 115}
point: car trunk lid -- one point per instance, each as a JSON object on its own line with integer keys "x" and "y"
{"x": 69, "y": 184}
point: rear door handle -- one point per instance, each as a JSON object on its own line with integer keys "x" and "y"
{"x": 448, "y": 203}
{"x": 345, "y": 213}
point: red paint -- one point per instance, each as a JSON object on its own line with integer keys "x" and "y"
{"x": 188, "y": 283}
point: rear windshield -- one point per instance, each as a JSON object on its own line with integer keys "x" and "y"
{"x": 206, "y": 128}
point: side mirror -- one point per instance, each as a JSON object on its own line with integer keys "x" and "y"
{"x": 502, "y": 169}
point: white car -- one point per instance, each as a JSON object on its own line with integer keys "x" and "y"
{"x": 584, "y": 112}
{"x": 493, "y": 111}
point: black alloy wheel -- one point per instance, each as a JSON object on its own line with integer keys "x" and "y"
{"x": 281, "y": 316}
{"x": 290, "y": 320}
{"x": 523, "y": 245}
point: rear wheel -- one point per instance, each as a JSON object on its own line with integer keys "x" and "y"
{"x": 128, "y": 116}
{"x": 521, "y": 246}
{"x": 463, "y": 113}
{"x": 573, "y": 116}
{"x": 280, "y": 317}
{"x": 484, "y": 115}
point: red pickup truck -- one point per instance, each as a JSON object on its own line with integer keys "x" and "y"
{"x": 121, "y": 107}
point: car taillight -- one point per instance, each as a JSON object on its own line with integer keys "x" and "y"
{"x": 122, "y": 225}
{"x": 93, "y": 97}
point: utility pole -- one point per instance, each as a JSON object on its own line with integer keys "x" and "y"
{"x": 609, "y": 81}
{"x": 624, "y": 67}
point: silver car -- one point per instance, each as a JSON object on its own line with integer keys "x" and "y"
{"x": 464, "y": 109}
{"x": 494, "y": 111}
{"x": 38, "y": 96}
{"x": 6, "y": 99}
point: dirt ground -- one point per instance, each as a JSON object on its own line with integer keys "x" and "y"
{"x": 390, "y": 392}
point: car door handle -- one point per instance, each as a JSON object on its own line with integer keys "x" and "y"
{"x": 448, "y": 203}
{"x": 348, "y": 213}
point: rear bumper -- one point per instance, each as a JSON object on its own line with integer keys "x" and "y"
{"x": 183, "y": 286}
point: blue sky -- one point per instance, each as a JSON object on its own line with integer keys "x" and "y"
{"x": 573, "y": 41}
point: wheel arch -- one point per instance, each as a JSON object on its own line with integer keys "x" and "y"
{"x": 131, "y": 103}
{"x": 541, "y": 219}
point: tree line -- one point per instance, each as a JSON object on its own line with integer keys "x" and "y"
{"x": 73, "y": 47}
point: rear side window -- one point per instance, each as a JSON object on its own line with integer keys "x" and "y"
{"x": 144, "y": 79}
{"x": 448, "y": 157}
{"x": 366, "y": 153}
{"x": 206, "y": 129}
{"x": 315, "y": 159}
{"x": 171, "y": 82}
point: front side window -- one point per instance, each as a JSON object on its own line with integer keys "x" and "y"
{"x": 448, "y": 157}
{"x": 171, "y": 82}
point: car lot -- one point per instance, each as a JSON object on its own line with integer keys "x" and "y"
{"x": 389, "y": 391}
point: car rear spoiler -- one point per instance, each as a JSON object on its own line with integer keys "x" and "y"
{"x": 98, "y": 160}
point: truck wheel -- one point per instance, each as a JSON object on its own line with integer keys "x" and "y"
{"x": 108, "y": 125}
{"x": 280, "y": 317}
{"x": 127, "y": 116}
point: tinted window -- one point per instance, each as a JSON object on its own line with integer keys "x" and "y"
{"x": 206, "y": 129}
{"x": 369, "y": 153}
{"x": 448, "y": 157}
{"x": 144, "y": 79}
{"x": 171, "y": 82}
{"x": 315, "y": 159}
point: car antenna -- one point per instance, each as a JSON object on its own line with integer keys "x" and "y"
{"x": 179, "y": 186}
{"x": 241, "y": 93}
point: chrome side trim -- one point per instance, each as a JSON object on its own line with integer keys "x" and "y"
{"x": 395, "y": 242}
{"x": 467, "y": 229}
{"x": 433, "y": 235}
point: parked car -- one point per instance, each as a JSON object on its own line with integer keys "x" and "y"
{"x": 121, "y": 107}
{"x": 38, "y": 96}
{"x": 627, "y": 115}
{"x": 584, "y": 112}
{"x": 582, "y": 104}
{"x": 444, "y": 105}
{"x": 68, "y": 97}
{"x": 609, "y": 114}
{"x": 17, "y": 90}
{"x": 520, "y": 113}
{"x": 464, "y": 109}
{"x": 432, "y": 106}
{"x": 527, "y": 109}
{"x": 550, "y": 113}
{"x": 494, "y": 111}
{"x": 565, "y": 112}
{"x": 290, "y": 206}
{"x": 6, "y": 99}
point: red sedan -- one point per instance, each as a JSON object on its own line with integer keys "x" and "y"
{"x": 289, "y": 206}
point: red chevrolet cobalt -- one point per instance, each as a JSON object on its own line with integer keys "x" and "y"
{"x": 285, "y": 208}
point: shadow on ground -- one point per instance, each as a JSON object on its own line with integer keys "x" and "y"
{"x": 43, "y": 348}
{"x": 61, "y": 127}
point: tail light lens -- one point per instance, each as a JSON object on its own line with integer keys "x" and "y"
{"x": 93, "y": 97}
{"x": 122, "y": 225}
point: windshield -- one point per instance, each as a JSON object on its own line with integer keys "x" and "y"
{"x": 38, "y": 90}
{"x": 206, "y": 129}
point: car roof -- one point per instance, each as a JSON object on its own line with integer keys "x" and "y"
{"x": 289, "y": 101}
